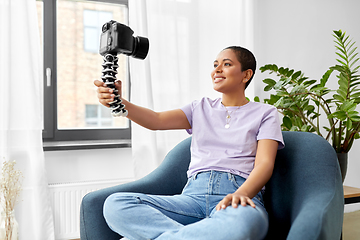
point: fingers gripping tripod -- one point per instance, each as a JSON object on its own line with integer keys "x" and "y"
{"x": 109, "y": 72}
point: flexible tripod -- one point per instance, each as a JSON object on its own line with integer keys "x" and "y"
{"x": 109, "y": 72}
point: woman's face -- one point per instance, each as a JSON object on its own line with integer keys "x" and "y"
{"x": 227, "y": 75}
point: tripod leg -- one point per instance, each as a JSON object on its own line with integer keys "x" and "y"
{"x": 109, "y": 72}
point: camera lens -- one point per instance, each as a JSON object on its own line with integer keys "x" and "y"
{"x": 141, "y": 47}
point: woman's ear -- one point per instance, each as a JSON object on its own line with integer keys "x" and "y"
{"x": 248, "y": 75}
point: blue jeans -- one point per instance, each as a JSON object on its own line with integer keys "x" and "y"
{"x": 190, "y": 215}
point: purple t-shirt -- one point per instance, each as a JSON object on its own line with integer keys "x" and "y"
{"x": 232, "y": 149}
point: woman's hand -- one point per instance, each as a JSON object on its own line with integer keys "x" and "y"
{"x": 264, "y": 165}
{"x": 105, "y": 94}
{"x": 234, "y": 200}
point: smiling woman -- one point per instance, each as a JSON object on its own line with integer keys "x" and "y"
{"x": 244, "y": 150}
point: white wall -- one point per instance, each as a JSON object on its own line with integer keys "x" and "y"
{"x": 89, "y": 165}
{"x": 298, "y": 35}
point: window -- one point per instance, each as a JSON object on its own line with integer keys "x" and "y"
{"x": 93, "y": 21}
{"x": 71, "y": 32}
{"x": 97, "y": 116}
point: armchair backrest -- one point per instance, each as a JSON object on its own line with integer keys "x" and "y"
{"x": 305, "y": 182}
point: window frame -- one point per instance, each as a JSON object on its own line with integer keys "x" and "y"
{"x": 50, "y": 132}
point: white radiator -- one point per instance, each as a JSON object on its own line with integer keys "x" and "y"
{"x": 66, "y": 199}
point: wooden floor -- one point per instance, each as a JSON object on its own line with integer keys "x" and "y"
{"x": 351, "y": 227}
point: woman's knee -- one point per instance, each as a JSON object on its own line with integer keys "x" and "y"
{"x": 116, "y": 204}
{"x": 244, "y": 222}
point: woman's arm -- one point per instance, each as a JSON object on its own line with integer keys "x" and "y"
{"x": 260, "y": 175}
{"x": 173, "y": 119}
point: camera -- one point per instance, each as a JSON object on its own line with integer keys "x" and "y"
{"x": 118, "y": 38}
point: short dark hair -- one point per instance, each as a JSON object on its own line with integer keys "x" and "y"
{"x": 246, "y": 59}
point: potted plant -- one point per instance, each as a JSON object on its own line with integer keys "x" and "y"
{"x": 304, "y": 102}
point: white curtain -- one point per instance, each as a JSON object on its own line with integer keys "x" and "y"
{"x": 185, "y": 37}
{"x": 21, "y": 120}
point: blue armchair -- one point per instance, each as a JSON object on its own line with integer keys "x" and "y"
{"x": 304, "y": 196}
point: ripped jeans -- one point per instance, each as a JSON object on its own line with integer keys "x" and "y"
{"x": 190, "y": 215}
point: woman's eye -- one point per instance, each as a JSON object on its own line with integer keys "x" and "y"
{"x": 227, "y": 64}
{"x": 215, "y": 65}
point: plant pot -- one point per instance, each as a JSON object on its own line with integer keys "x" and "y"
{"x": 343, "y": 162}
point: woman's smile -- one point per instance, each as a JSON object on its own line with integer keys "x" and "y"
{"x": 218, "y": 78}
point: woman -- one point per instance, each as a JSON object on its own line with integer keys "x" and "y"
{"x": 233, "y": 151}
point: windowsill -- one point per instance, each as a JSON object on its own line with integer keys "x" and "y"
{"x": 86, "y": 144}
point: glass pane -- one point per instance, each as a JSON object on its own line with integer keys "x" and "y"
{"x": 91, "y": 41}
{"x": 91, "y": 18}
{"x": 79, "y": 63}
{"x": 91, "y": 111}
{"x": 105, "y": 113}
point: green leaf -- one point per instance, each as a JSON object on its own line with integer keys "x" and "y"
{"x": 274, "y": 68}
{"x": 287, "y": 122}
{"x": 268, "y": 88}
{"x": 325, "y": 77}
{"x": 278, "y": 103}
{"x": 294, "y": 128}
{"x": 355, "y": 118}
{"x": 315, "y": 115}
{"x": 256, "y": 99}
{"x": 271, "y": 67}
{"x": 337, "y": 33}
{"x": 353, "y": 56}
{"x": 343, "y": 84}
{"x": 298, "y": 122}
{"x": 302, "y": 79}
{"x": 268, "y": 67}
{"x": 355, "y": 95}
{"x": 354, "y": 62}
{"x": 305, "y": 128}
{"x": 353, "y": 113}
{"x": 340, "y": 48}
{"x": 348, "y": 124}
{"x": 337, "y": 68}
{"x": 282, "y": 70}
{"x": 341, "y": 115}
{"x": 296, "y": 75}
{"x": 357, "y": 136}
{"x": 290, "y": 73}
{"x": 317, "y": 88}
{"x": 341, "y": 62}
{"x": 343, "y": 57}
{"x": 350, "y": 47}
{"x": 338, "y": 97}
{"x": 278, "y": 85}
{"x": 269, "y": 81}
{"x": 310, "y": 109}
{"x": 273, "y": 99}
{"x": 309, "y": 82}
{"x": 342, "y": 93}
{"x": 347, "y": 106}
{"x": 326, "y": 128}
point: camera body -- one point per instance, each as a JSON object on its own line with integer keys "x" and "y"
{"x": 118, "y": 38}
